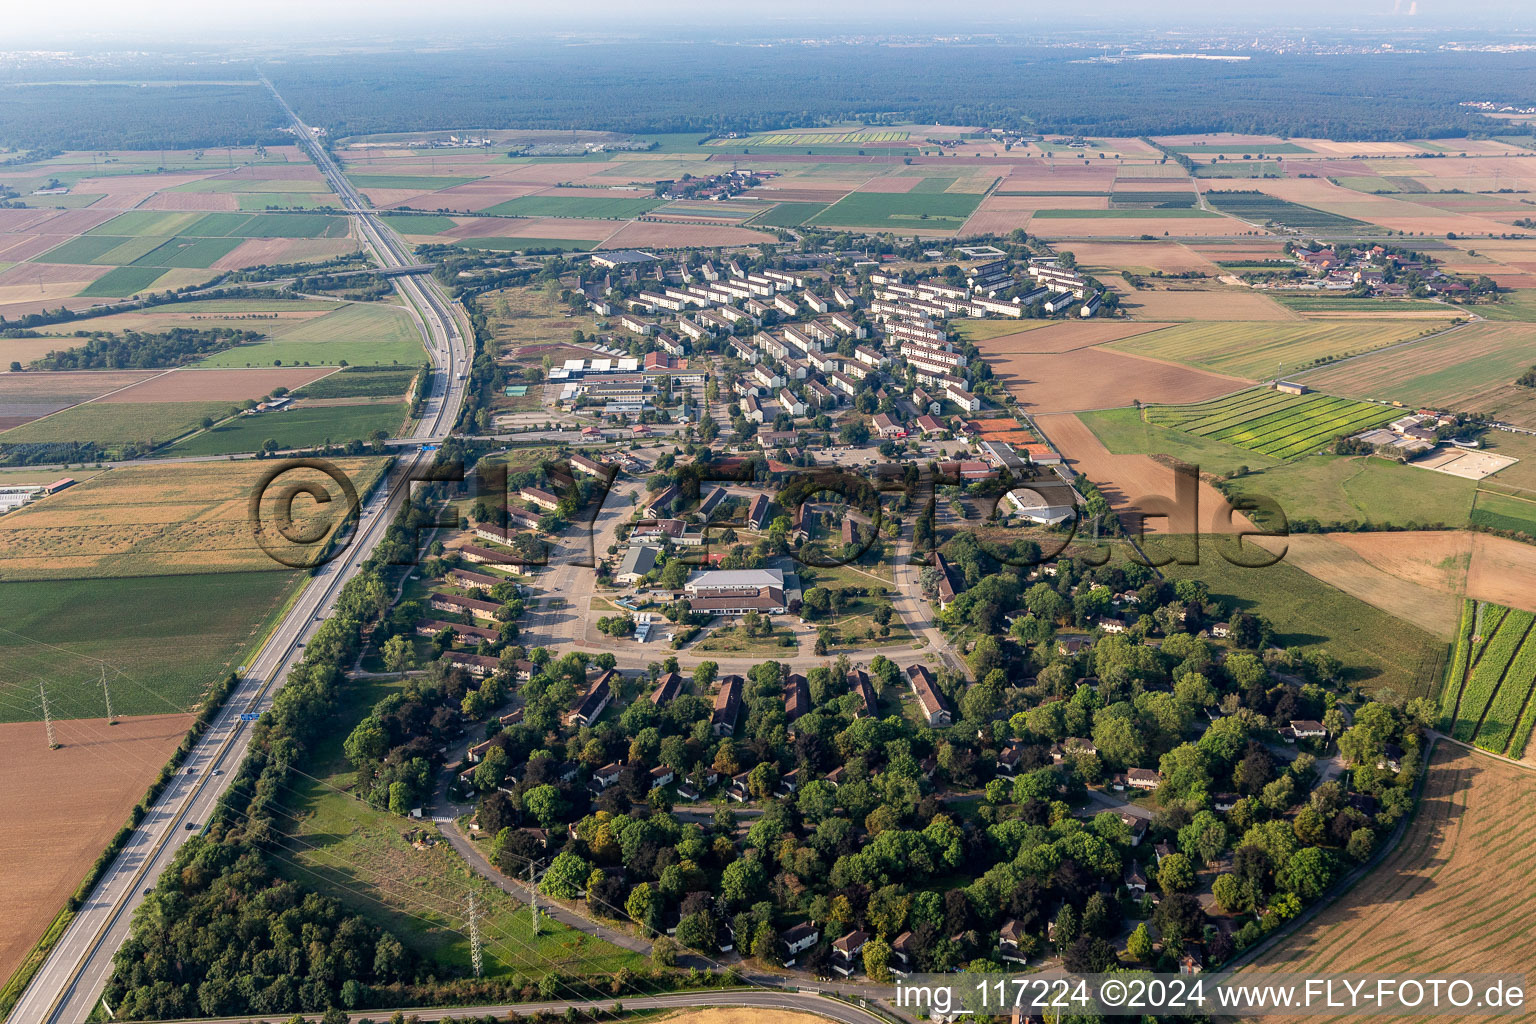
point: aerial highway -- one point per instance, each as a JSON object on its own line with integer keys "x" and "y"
{"x": 68, "y": 985}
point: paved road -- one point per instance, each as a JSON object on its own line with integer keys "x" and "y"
{"x": 805, "y": 1001}
{"x": 67, "y": 987}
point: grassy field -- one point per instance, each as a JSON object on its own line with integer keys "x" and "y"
{"x": 163, "y": 640}
{"x": 893, "y": 211}
{"x": 420, "y": 223}
{"x": 120, "y": 282}
{"x": 595, "y": 207}
{"x": 116, "y": 423}
{"x": 359, "y": 384}
{"x": 1126, "y": 432}
{"x": 299, "y": 427}
{"x": 1236, "y": 169}
{"x": 1333, "y": 489}
{"x": 1378, "y": 650}
{"x": 1505, "y": 512}
{"x": 788, "y": 215}
{"x": 343, "y": 848}
{"x": 288, "y": 200}
{"x": 139, "y": 520}
{"x": 1261, "y": 351}
{"x": 359, "y": 334}
{"x": 1271, "y": 422}
{"x": 1264, "y": 209}
{"x": 154, "y": 223}
{"x": 1327, "y": 303}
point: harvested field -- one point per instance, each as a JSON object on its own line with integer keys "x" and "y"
{"x": 1001, "y": 214}
{"x": 31, "y": 282}
{"x": 1100, "y": 378}
{"x": 1129, "y": 481}
{"x": 737, "y": 1015}
{"x": 1431, "y": 605}
{"x": 25, "y": 397}
{"x": 643, "y": 234}
{"x": 1443, "y": 898}
{"x": 533, "y": 227}
{"x": 62, "y": 806}
{"x": 1131, "y": 226}
{"x": 1260, "y": 351}
{"x": 1191, "y": 304}
{"x": 141, "y": 521}
{"x": 1169, "y": 257}
{"x": 1503, "y": 571}
{"x": 1470, "y": 368}
{"x": 1063, "y": 336}
{"x": 192, "y": 385}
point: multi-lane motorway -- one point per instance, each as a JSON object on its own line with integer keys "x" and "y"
{"x": 69, "y": 984}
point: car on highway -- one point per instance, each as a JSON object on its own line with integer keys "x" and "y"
{"x": 191, "y": 826}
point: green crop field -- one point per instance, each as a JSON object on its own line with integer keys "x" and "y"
{"x": 1337, "y": 490}
{"x": 116, "y": 423}
{"x": 1181, "y": 198}
{"x": 1378, "y": 650}
{"x": 595, "y": 207}
{"x": 1155, "y": 213}
{"x": 1238, "y": 169}
{"x": 342, "y": 847}
{"x": 163, "y": 639}
{"x": 1505, "y": 512}
{"x": 1452, "y": 370}
{"x": 508, "y": 244}
{"x": 1488, "y": 671}
{"x": 294, "y": 200}
{"x": 358, "y": 384}
{"x": 137, "y": 223}
{"x": 1264, "y": 208}
{"x": 121, "y": 282}
{"x": 408, "y": 182}
{"x": 1126, "y": 432}
{"x": 361, "y": 334}
{"x": 788, "y": 215}
{"x": 1253, "y": 148}
{"x": 1270, "y": 422}
{"x": 893, "y": 211}
{"x": 1345, "y": 304}
{"x": 825, "y": 138}
{"x": 84, "y": 249}
{"x": 1264, "y": 350}
{"x": 299, "y": 427}
{"x": 188, "y": 252}
{"x": 1456, "y": 668}
{"x": 1505, "y": 711}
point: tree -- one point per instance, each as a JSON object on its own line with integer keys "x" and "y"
{"x": 399, "y": 799}
{"x": 545, "y": 804}
{"x": 877, "y": 960}
{"x": 1230, "y": 893}
{"x": 566, "y": 875}
{"x": 1308, "y": 873}
{"x": 1175, "y": 874}
{"x": 492, "y": 770}
{"x": 1139, "y": 945}
{"x": 741, "y": 881}
{"x": 398, "y": 656}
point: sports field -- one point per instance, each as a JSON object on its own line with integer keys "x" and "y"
{"x": 163, "y": 640}
{"x": 1263, "y": 350}
{"x": 1271, "y": 422}
{"x": 140, "y": 521}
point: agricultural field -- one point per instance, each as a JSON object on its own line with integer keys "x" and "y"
{"x": 1470, "y": 368}
{"x": 162, "y": 639}
{"x": 788, "y": 215}
{"x": 1262, "y": 208}
{"x": 1505, "y": 512}
{"x": 900, "y": 211}
{"x": 594, "y": 207}
{"x": 1444, "y": 895}
{"x": 356, "y": 383}
{"x": 496, "y": 243}
{"x": 140, "y": 521}
{"x": 115, "y": 424}
{"x": 1270, "y": 422}
{"x": 84, "y": 790}
{"x": 346, "y": 849}
{"x": 1263, "y": 351}
{"x": 1491, "y": 675}
{"x": 815, "y": 138}
{"x": 299, "y": 426}
{"x": 1336, "y": 490}
{"x": 1128, "y": 432}
{"x": 1379, "y": 650}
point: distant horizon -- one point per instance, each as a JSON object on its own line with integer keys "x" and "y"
{"x": 86, "y": 25}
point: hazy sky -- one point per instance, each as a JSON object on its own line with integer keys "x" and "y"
{"x": 99, "y": 20}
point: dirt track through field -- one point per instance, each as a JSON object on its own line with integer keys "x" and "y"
{"x": 59, "y": 807}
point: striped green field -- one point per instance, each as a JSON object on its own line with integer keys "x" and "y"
{"x": 1263, "y": 350}
{"x": 1487, "y": 700}
{"x": 788, "y": 215}
{"x": 1461, "y": 656}
{"x": 1270, "y": 422}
